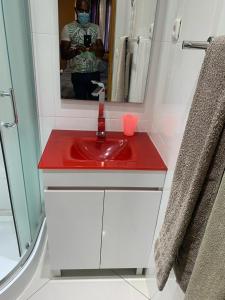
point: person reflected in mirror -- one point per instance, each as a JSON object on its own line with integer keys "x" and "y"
{"x": 82, "y": 46}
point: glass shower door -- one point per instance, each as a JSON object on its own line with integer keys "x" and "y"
{"x": 18, "y": 120}
{"x": 11, "y": 146}
{"x": 9, "y": 251}
{"x": 19, "y": 44}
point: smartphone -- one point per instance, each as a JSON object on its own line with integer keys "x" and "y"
{"x": 87, "y": 40}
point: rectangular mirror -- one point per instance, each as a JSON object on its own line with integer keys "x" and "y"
{"x": 105, "y": 48}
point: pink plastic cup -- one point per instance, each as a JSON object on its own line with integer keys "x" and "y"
{"x": 129, "y": 124}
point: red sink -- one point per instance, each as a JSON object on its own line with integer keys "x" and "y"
{"x": 95, "y": 149}
{"x": 81, "y": 150}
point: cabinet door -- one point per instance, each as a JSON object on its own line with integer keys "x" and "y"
{"x": 74, "y": 220}
{"x": 128, "y": 228}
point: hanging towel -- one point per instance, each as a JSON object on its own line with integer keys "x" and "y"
{"x": 208, "y": 279}
{"x": 188, "y": 252}
{"x": 119, "y": 87}
{"x": 127, "y": 74}
{"x": 195, "y": 164}
{"x": 139, "y": 72}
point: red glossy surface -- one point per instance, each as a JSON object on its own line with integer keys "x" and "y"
{"x": 101, "y": 149}
{"x": 101, "y": 120}
{"x": 68, "y": 150}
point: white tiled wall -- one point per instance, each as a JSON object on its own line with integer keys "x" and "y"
{"x": 53, "y": 112}
{"x": 175, "y": 76}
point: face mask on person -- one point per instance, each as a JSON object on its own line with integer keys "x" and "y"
{"x": 83, "y": 18}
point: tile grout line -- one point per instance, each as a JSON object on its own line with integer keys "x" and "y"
{"x": 127, "y": 282}
{"x": 38, "y": 290}
{"x": 120, "y": 276}
{"x": 155, "y": 294}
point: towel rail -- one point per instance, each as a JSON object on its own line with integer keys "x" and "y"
{"x": 197, "y": 45}
{"x": 137, "y": 39}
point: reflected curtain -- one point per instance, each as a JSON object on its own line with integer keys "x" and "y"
{"x": 95, "y": 4}
{"x": 101, "y": 15}
{"x": 107, "y": 24}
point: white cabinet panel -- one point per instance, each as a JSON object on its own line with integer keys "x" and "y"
{"x": 106, "y": 178}
{"x": 74, "y": 220}
{"x": 128, "y": 228}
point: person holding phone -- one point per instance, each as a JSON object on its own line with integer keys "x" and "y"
{"x": 81, "y": 44}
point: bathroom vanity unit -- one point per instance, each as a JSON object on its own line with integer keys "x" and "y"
{"x": 102, "y": 199}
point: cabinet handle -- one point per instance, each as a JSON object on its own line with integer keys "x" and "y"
{"x": 103, "y": 233}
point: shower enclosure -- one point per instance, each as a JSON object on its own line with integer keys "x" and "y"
{"x": 21, "y": 209}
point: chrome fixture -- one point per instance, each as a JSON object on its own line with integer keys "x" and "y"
{"x": 101, "y": 121}
{"x": 8, "y": 125}
{"x": 4, "y": 94}
{"x": 197, "y": 45}
{"x": 100, "y": 92}
{"x": 137, "y": 39}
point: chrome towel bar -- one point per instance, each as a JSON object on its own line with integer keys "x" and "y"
{"x": 197, "y": 45}
{"x": 137, "y": 39}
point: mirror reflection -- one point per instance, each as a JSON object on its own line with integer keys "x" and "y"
{"x": 105, "y": 49}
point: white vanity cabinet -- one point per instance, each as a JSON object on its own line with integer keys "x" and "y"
{"x": 74, "y": 221}
{"x": 128, "y": 226}
{"x": 96, "y": 227}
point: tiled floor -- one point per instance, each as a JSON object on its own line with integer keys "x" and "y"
{"x": 9, "y": 255}
{"x": 112, "y": 286}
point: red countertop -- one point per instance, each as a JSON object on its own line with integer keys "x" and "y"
{"x": 56, "y": 154}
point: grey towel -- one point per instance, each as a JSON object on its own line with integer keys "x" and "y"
{"x": 187, "y": 254}
{"x": 208, "y": 279}
{"x": 196, "y": 165}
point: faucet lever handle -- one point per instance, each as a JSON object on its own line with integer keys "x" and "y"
{"x": 100, "y": 84}
{"x": 99, "y": 91}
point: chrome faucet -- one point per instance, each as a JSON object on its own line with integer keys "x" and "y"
{"x": 100, "y": 91}
{"x": 101, "y": 121}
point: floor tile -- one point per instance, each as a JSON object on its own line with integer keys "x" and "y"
{"x": 111, "y": 285}
{"x": 94, "y": 285}
{"x": 9, "y": 253}
{"x": 138, "y": 282}
{"x": 152, "y": 286}
{"x": 170, "y": 292}
{"x": 41, "y": 277}
{"x": 88, "y": 289}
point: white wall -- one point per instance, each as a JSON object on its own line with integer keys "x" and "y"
{"x": 175, "y": 70}
{"x": 144, "y": 17}
{"x": 175, "y": 76}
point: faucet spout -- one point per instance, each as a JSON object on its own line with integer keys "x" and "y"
{"x": 100, "y": 91}
{"x": 101, "y": 121}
